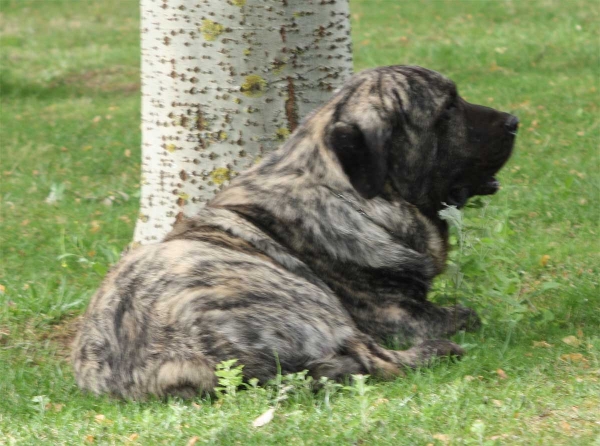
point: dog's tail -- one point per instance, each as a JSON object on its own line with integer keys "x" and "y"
{"x": 102, "y": 364}
{"x": 185, "y": 378}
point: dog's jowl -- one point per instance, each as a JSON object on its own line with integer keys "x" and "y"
{"x": 312, "y": 259}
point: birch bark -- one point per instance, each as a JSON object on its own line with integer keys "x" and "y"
{"x": 223, "y": 82}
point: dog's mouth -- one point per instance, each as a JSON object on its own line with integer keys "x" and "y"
{"x": 459, "y": 195}
{"x": 489, "y": 187}
{"x": 486, "y": 182}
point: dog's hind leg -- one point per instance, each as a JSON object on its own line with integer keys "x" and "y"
{"x": 355, "y": 357}
{"x": 365, "y": 356}
{"x": 420, "y": 355}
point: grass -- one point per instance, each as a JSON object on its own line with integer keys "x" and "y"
{"x": 526, "y": 259}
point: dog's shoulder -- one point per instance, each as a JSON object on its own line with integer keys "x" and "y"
{"x": 210, "y": 229}
{"x": 230, "y": 230}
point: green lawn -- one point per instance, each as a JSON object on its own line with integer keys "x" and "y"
{"x": 529, "y": 257}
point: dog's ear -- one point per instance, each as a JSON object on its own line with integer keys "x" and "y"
{"x": 363, "y": 154}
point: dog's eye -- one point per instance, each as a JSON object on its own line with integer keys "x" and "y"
{"x": 450, "y": 108}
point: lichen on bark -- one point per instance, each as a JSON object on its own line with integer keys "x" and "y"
{"x": 254, "y": 86}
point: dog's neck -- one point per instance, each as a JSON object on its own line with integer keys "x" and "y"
{"x": 331, "y": 228}
{"x": 395, "y": 191}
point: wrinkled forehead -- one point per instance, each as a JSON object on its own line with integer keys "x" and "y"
{"x": 421, "y": 83}
{"x": 412, "y": 88}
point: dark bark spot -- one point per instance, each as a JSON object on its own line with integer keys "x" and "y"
{"x": 291, "y": 108}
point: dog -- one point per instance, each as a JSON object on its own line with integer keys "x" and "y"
{"x": 312, "y": 259}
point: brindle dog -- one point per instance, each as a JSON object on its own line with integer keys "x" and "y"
{"x": 312, "y": 258}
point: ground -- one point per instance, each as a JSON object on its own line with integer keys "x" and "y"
{"x": 526, "y": 259}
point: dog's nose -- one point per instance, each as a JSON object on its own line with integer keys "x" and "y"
{"x": 512, "y": 124}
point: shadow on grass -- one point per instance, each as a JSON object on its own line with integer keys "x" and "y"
{"x": 116, "y": 80}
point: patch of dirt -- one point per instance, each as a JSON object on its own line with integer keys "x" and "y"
{"x": 62, "y": 335}
{"x": 106, "y": 80}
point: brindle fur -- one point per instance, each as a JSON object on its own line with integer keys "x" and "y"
{"x": 311, "y": 259}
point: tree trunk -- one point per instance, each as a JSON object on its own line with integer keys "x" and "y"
{"x": 223, "y": 82}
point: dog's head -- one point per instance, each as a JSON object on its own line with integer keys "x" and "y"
{"x": 404, "y": 131}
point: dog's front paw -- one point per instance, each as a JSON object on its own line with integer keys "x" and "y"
{"x": 428, "y": 350}
{"x": 463, "y": 318}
